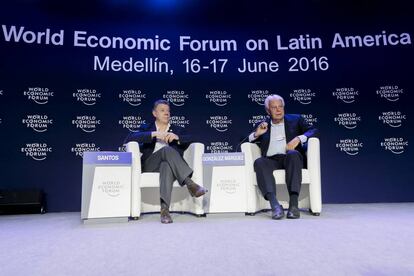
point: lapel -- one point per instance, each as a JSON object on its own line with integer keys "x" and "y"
{"x": 172, "y": 129}
{"x": 266, "y": 137}
{"x": 288, "y": 131}
{"x": 152, "y": 127}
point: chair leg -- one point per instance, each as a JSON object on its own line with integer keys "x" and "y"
{"x": 191, "y": 213}
{"x": 249, "y": 214}
{"x": 314, "y": 214}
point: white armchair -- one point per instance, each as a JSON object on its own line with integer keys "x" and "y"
{"x": 145, "y": 195}
{"x": 310, "y": 194}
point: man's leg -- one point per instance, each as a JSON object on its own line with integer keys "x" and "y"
{"x": 181, "y": 171}
{"x": 179, "y": 167}
{"x": 154, "y": 163}
{"x": 264, "y": 168}
{"x": 166, "y": 184}
{"x": 293, "y": 167}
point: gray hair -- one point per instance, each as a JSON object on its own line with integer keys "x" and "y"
{"x": 273, "y": 97}
{"x": 158, "y": 102}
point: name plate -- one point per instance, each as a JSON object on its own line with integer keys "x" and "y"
{"x": 106, "y": 185}
{"x": 223, "y": 159}
{"x": 223, "y": 175}
{"x": 107, "y": 158}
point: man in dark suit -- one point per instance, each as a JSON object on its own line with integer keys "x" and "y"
{"x": 282, "y": 139}
{"x": 162, "y": 146}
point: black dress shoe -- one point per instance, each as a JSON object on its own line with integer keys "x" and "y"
{"x": 278, "y": 212}
{"x": 165, "y": 216}
{"x": 196, "y": 190}
{"x": 293, "y": 212}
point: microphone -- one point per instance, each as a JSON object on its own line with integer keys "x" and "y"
{"x": 267, "y": 117}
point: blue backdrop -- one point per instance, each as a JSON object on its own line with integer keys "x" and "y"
{"x": 59, "y": 98}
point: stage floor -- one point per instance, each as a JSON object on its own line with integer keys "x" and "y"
{"x": 347, "y": 239}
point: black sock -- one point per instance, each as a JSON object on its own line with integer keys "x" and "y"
{"x": 164, "y": 205}
{"x": 294, "y": 199}
{"x": 187, "y": 181}
{"x": 273, "y": 200}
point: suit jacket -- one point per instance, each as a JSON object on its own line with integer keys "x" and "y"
{"x": 147, "y": 143}
{"x": 295, "y": 125}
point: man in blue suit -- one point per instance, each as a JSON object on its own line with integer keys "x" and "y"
{"x": 282, "y": 139}
{"x": 162, "y": 146}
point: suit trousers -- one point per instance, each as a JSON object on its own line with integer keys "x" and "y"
{"x": 291, "y": 162}
{"x": 171, "y": 166}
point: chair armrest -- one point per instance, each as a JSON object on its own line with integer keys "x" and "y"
{"x": 313, "y": 156}
{"x": 193, "y": 156}
{"x": 133, "y": 147}
{"x": 314, "y": 169}
{"x": 251, "y": 152}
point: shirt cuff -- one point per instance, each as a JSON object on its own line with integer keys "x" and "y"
{"x": 251, "y": 137}
{"x": 303, "y": 139}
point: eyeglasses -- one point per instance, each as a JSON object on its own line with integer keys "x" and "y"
{"x": 276, "y": 107}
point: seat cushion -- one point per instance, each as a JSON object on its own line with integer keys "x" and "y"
{"x": 152, "y": 179}
{"x": 280, "y": 176}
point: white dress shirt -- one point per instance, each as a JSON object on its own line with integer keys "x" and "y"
{"x": 160, "y": 143}
{"x": 277, "y": 143}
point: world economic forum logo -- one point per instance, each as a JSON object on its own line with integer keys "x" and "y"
{"x": 346, "y": 94}
{"x": 303, "y": 96}
{"x": 311, "y": 119}
{"x": 348, "y": 120}
{"x": 258, "y": 96}
{"x": 229, "y": 186}
{"x": 40, "y": 95}
{"x": 122, "y": 148}
{"x": 79, "y": 148}
{"x": 218, "y": 97}
{"x": 132, "y": 123}
{"x": 133, "y": 97}
{"x": 219, "y": 123}
{"x": 181, "y": 121}
{"x": 37, "y": 151}
{"x": 349, "y": 146}
{"x": 394, "y": 144}
{"x": 111, "y": 187}
{"x": 37, "y": 122}
{"x": 219, "y": 147}
{"x": 86, "y": 96}
{"x": 86, "y": 123}
{"x": 390, "y": 92}
{"x": 176, "y": 97}
{"x": 392, "y": 118}
{"x": 255, "y": 119}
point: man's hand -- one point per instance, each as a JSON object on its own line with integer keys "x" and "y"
{"x": 293, "y": 143}
{"x": 261, "y": 129}
{"x": 159, "y": 134}
{"x": 167, "y": 137}
{"x": 170, "y": 137}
